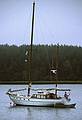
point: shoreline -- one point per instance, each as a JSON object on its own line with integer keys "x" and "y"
{"x": 41, "y": 82}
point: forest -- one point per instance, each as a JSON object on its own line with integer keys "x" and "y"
{"x": 14, "y": 68}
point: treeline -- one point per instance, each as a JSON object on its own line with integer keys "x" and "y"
{"x": 14, "y": 68}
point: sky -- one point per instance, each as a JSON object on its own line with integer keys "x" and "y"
{"x": 56, "y": 21}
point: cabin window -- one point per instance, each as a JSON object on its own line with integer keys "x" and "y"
{"x": 22, "y": 98}
{"x": 38, "y": 96}
{"x": 44, "y": 96}
{"x": 48, "y": 96}
{"x": 19, "y": 98}
{"x": 35, "y": 96}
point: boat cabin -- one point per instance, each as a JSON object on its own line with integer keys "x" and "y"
{"x": 45, "y": 96}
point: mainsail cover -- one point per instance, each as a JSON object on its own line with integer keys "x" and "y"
{"x": 48, "y": 89}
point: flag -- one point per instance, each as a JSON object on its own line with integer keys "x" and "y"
{"x": 53, "y": 71}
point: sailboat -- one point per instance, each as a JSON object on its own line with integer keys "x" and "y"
{"x": 39, "y": 97}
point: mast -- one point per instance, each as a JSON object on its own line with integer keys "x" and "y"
{"x": 30, "y": 51}
{"x": 57, "y": 56}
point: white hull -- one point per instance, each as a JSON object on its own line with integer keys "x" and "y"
{"x": 40, "y": 99}
{"x": 34, "y": 101}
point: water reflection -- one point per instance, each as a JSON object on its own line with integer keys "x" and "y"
{"x": 38, "y": 113}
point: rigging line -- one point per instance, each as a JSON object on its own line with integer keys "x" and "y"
{"x": 41, "y": 31}
{"x": 40, "y": 27}
{"x": 43, "y": 36}
{"x": 27, "y": 35}
{"x": 45, "y": 24}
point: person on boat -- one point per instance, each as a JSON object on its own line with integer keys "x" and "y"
{"x": 66, "y": 95}
{"x": 9, "y": 90}
{"x": 29, "y": 87}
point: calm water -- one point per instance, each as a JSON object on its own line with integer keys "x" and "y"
{"x": 40, "y": 113}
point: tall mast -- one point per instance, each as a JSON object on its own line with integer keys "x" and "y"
{"x": 30, "y": 51}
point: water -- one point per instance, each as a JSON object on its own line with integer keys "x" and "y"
{"x": 40, "y": 113}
